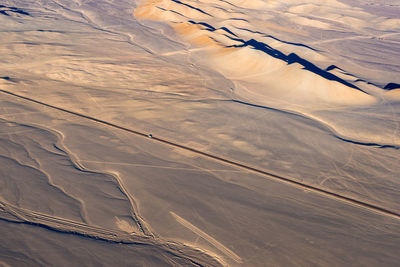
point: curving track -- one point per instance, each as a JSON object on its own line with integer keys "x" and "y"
{"x": 12, "y": 213}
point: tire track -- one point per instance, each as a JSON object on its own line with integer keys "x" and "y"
{"x": 143, "y": 226}
{"x": 15, "y": 214}
{"x": 273, "y": 176}
{"x": 140, "y": 223}
{"x": 207, "y": 237}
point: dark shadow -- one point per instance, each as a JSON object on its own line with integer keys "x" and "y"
{"x": 173, "y": 11}
{"x": 228, "y": 31}
{"x": 240, "y": 19}
{"x": 211, "y": 28}
{"x": 5, "y": 10}
{"x": 391, "y": 86}
{"x": 192, "y": 7}
{"x": 277, "y": 39}
{"x": 291, "y": 59}
{"x": 321, "y": 125}
{"x": 51, "y": 31}
{"x": 7, "y": 78}
{"x": 333, "y": 67}
{"x": 368, "y": 144}
{"x": 208, "y": 26}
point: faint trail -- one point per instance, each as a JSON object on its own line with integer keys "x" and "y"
{"x": 80, "y": 204}
{"x": 32, "y": 216}
{"x": 354, "y": 38}
{"x": 287, "y": 180}
{"x": 157, "y": 166}
{"x": 89, "y": 22}
{"x": 325, "y": 125}
{"x": 207, "y": 237}
{"x": 16, "y": 132}
{"x": 3, "y": 264}
{"x": 186, "y": 51}
{"x": 143, "y": 226}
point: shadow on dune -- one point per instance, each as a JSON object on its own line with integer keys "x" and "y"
{"x": 277, "y": 39}
{"x": 290, "y": 59}
{"x": 293, "y": 58}
{"x": 7, "y": 78}
{"x": 192, "y": 7}
{"x": 318, "y": 124}
{"x": 391, "y": 86}
{"x": 211, "y": 28}
{"x": 5, "y": 10}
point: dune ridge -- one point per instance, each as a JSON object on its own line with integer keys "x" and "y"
{"x": 251, "y": 58}
{"x": 271, "y": 71}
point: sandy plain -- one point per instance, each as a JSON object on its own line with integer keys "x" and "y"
{"x": 235, "y": 95}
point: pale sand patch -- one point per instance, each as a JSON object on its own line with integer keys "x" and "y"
{"x": 207, "y": 237}
{"x": 125, "y": 226}
{"x": 3, "y": 264}
{"x": 393, "y": 95}
{"x": 273, "y": 26}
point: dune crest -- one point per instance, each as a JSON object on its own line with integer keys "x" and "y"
{"x": 263, "y": 72}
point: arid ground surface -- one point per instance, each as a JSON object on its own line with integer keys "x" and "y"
{"x": 199, "y": 133}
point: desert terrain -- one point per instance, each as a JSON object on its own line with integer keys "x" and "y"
{"x": 199, "y": 133}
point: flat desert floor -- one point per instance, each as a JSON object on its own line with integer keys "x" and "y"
{"x": 199, "y": 133}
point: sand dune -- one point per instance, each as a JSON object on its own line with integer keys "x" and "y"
{"x": 270, "y": 71}
{"x": 243, "y": 59}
